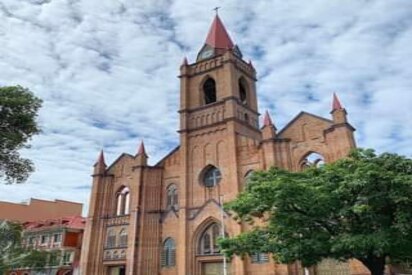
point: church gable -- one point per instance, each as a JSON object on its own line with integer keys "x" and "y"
{"x": 122, "y": 164}
{"x": 171, "y": 159}
{"x": 305, "y": 127}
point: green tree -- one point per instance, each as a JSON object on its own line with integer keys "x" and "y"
{"x": 358, "y": 207}
{"x": 18, "y": 112}
{"x": 13, "y": 255}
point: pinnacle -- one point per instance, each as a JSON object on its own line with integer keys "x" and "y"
{"x": 267, "y": 120}
{"x": 185, "y": 62}
{"x": 100, "y": 159}
{"x": 336, "y": 103}
{"x": 141, "y": 150}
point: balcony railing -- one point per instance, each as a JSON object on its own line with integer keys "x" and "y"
{"x": 114, "y": 254}
{"x": 117, "y": 220}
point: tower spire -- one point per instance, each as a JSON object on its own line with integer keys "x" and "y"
{"x": 218, "y": 37}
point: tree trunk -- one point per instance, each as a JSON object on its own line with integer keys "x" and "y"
{"x": 376, "y": 265}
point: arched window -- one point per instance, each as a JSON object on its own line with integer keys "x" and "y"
{"x": 172, "y": 197}
{"x": 168, "y": 257}
{"x": 242, "y": 91}
{"x": 127, "y": 203}
{"x": 209, "y": 91}
{"x": 123, "y": 238}
{"x": 313, "y": 159}
{"x": 119, "y": 202}
{"x": 111, "y": 239}
{"x": 211, "y": 176}
{"x": 123, "y": 202}
{"x": 248, "y": 175}
{"x": 208, "y": 240}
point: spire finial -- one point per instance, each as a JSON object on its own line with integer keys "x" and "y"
{"x": 216, "y": 9}
{"x": 267, "y": 120}
{"x": 336, "y": 105}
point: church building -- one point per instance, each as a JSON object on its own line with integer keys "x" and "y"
{"x": 164, "y": 219}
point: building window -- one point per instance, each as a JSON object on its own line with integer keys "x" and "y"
{"x": 172, "y": 197}
{"x": 67, "y": 258}
{"x": 111, "y": 239}
{"x": 57, "y": 238}
{"x": 31, "y": 240}
{"x": 208, "y": 240}
{"x": 246, "y": 117}
{"x": 211, "y": 176}
{"x": 209, "y": 91}
{"x": 312, "y": 160}
{"x": 168, "y": 257}
{"x": 44, "y": 239}
{"x": 123, "y": 238}
{"x": 123, "y": 202}
{"x": 242, "y": 91}
{"x": 259, "y": 258}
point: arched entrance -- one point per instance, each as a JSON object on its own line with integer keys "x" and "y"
{"x": 208, "y": 258}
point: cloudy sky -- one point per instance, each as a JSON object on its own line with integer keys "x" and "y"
{"x": 106, "y": 70}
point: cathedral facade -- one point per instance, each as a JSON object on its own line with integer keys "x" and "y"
{"x": 165, "y": 219}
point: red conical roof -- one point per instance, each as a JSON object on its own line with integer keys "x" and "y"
{"x": 141, "y": 149}
{"x": 218, "y": 36}
{"x": 267, "y": 121}
{"x": 336, "y": 103}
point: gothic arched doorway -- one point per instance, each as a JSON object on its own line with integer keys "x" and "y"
{"x": 208, "y": 258}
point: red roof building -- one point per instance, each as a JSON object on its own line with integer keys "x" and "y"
{"x": 61, "y": 235}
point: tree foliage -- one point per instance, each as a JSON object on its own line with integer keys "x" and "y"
{"x": 13, "y": 255}
{"x": 358, "y": 207}
{"x": 18, "y": 112}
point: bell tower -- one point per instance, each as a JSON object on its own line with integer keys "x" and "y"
{"x": 218, "y": 105}
{"x": 219, "y": 87}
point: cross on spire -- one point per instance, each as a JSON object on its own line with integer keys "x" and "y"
{"x": 216, "y": 10}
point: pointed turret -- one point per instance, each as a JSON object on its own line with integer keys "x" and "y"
{"x": 251, "y": 64}
{"x": 338, "y": 112}
{"x": 141, "y": 155}
{"x": 185, "y": 62}
{"x": 336, "y": 105}
{"x": 100, "y": 165}
{"x": 268, "y": 129}
{"x": 267, "y": 120}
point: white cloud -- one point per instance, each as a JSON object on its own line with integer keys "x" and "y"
{"x": 106, "y": 71}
